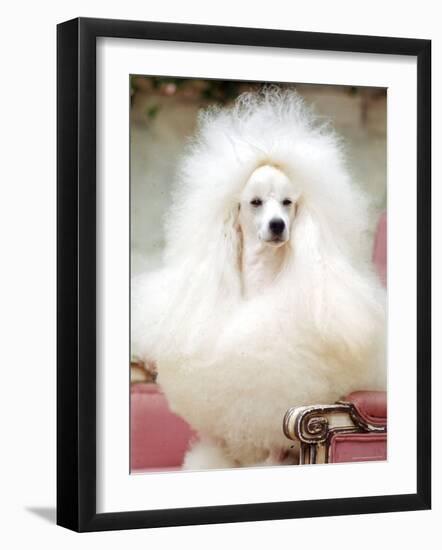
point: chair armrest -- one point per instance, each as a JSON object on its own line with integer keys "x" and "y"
{"x": 316, "y": 427}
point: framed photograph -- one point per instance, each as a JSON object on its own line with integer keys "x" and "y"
{"x": 244, "y": 278}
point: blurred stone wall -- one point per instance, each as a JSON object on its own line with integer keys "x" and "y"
{"x": 161, "y": 122}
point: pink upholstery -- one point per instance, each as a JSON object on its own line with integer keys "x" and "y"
{"x": 159, "y": 438}
{"x": 380, "y": 249}
{"x": 358, "y": 447}
{"x": 372, "y": 407}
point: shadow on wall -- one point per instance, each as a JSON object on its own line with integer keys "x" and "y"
{"x": 164, "y": 113}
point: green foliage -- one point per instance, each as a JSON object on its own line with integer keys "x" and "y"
{"x": 152, "y": 111}
{"x": 221, "y": 91}
{"x": 213, "y": 91}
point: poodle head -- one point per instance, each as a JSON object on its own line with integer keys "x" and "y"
{"x": 284, "y": 166}
{"x": 268, "y": 206}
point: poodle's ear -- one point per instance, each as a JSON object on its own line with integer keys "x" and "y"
{"x": 232, "y": 245}
{"x": 345, "y": 303}
{"x": 236, "y": 222}
{"x": 239, "y": 237}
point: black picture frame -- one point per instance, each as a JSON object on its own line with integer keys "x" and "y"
{"x": 77, "y": 287}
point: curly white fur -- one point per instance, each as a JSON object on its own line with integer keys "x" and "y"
{"x": 232, "y": 366}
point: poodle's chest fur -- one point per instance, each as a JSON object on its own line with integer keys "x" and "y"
{"x": 260, "y": 266}
{"x": 259, "y": 367}
{"x": 241, "y": 398}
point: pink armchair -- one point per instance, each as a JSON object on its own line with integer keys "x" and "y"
{"x": 159, "y": 438}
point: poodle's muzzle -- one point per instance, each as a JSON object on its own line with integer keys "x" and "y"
{"x": 276, "y": 233}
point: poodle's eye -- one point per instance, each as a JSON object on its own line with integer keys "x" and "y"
{"x": 256, "y": 202}
{"x": 286, "y": 202}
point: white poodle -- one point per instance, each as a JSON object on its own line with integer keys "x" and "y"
{"x": 267, "y": 298}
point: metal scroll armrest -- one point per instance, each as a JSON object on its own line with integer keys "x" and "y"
{"x": 314, "y": 426}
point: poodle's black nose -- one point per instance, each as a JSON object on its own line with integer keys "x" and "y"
{"x": 277, "y": 226}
